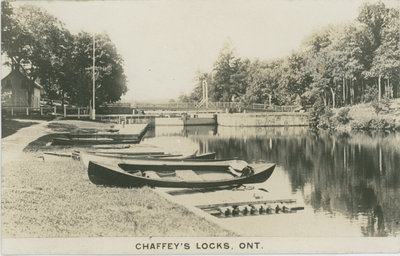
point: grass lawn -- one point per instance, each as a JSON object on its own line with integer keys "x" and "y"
{"x": 56, "y": 199}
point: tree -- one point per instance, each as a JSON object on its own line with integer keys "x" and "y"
{"x": 38, "y": 42}
{"x": 337, "y": 65}
{"x": 110, "y": 76}
{"x": 295, "y": 78}
{"x": 386, "y": 61}
{"x": 382, "y": 24}
{"x": 229, "y": 78}
{"x": 263, "y": 80}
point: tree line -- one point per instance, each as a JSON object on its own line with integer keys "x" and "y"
{"x": 40, "y": 45}
{"x": 336, "y": 66}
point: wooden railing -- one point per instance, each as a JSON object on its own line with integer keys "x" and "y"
{"x": 46, "y": 111}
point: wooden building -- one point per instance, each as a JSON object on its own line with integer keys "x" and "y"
{"x": 17, "y": 90}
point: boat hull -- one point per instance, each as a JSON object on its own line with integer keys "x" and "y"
{"x": 113, "y": 175}
{"x": 91, "y": 141}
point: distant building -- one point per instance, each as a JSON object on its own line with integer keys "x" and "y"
{"x": 18, "y": 91}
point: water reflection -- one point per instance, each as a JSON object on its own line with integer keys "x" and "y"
{"x": 356, "y": 175}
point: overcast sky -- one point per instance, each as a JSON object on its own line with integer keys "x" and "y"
{"x": 163, "y": 43}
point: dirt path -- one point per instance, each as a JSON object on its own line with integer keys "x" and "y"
{"x": 12, "y": 146}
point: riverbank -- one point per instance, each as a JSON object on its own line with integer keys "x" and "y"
{"x": 56, "y": 199}
{"x": 364, "y": 117}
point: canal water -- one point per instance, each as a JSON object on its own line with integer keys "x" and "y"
{"x": 348, "y": 183}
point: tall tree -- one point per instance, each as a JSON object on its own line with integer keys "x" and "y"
{"x": 229, "y": 75}
{"x": 110, "y": 76}
{"x": 39, "y": 43}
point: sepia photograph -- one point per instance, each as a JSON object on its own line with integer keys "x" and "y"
{"x": 200, "y": 127}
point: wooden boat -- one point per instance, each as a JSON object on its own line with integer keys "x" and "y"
{"x": 111, "y": 146}
{"x": 210, "y": 155}
{"x": 134, "y": 158}
{"x": 100, "y": 138}
{"x": 173, "y": 175}
{"x": 104, "y": 135}
{"x": 83, "y": 141}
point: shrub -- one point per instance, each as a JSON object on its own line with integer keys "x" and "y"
{"x": 370, "y": 94}
{"x": 373, "y": 124}
{"x": 326, "y": 120}
{"x": 343, "y": 116}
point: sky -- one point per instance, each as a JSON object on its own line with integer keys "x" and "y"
{"x": 164, "y": 42}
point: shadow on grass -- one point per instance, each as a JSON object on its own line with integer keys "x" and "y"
{"x": 59, "y": 127}
{"x": 44, "y": 143}
{"x": 9, "y": 127}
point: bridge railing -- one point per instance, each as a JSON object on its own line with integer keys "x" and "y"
{"x": 215, "y": 106}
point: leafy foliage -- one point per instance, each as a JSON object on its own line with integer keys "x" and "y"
{"x": 38, "y": 43}
{"x": 336, "y": 66}
{"x": 343, "y": 116}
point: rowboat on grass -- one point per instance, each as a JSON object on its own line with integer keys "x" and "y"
{"x": 178, "y": 174}
{"x": 133, "y": 157}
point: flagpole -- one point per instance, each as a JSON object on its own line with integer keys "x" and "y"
{"x": 94, "y": 82}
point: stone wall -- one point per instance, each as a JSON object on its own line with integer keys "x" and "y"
{"x": 263, "y": 119}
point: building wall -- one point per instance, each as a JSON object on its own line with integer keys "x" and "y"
{"x": 17, "y": 84}
{"x": 36, "y": 98}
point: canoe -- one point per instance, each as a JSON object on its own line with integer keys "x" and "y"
{"x": 132, "y": 158}
{"x": 196, "y": 176}
{"x": 160, "y": 154}
{"x": 100, "y": 138}
{"x": 104, "y": 135}
{"x": 83, "y": 141}
{"x": 111, "y": 146}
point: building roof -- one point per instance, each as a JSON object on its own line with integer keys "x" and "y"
{"x": 17, "y": 72}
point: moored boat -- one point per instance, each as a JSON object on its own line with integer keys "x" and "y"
{"x": 173, "y": 175}
{"x": 92, "y": 140}
{"x": 100, "y": 138}
{"x": 147, "y": 157}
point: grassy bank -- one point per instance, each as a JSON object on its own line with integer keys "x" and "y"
{"x": 10, "y": 126}
{"x": 362, "y": 117}
{"x": 56, "y": 199}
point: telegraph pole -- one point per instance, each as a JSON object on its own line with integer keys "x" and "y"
{"x": 93, "y": 117}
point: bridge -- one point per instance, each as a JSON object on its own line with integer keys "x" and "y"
{"x": 213, "y": 107}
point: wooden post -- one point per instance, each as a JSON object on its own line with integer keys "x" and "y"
{"x": 27, "y": 111}
{"x": 41, "y": 111}
{"x": 65, "y": 111}
{"x": 79, "y": 113}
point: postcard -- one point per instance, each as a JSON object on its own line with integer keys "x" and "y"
{"x": 200, "y": 127}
